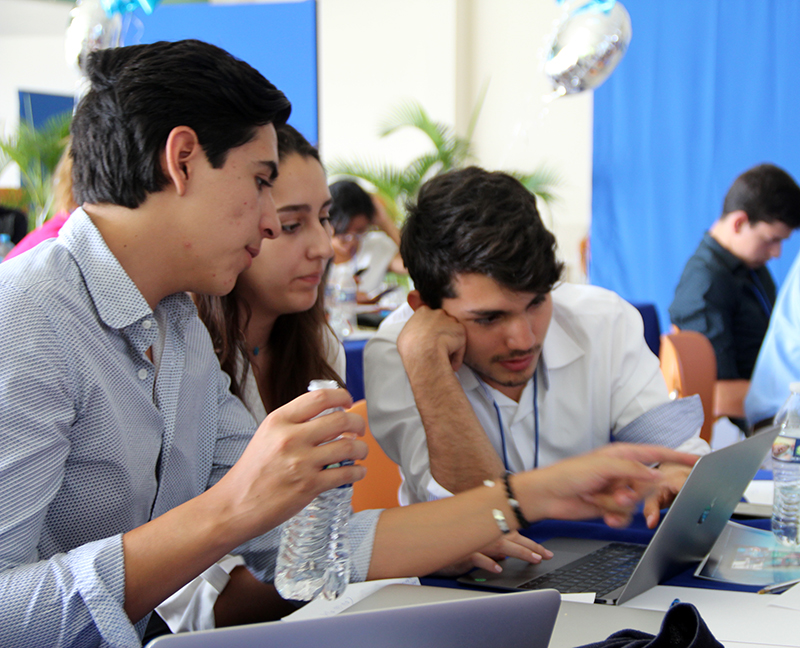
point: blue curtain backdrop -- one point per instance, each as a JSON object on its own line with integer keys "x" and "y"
{"x": 278, "y": 39}
{"x": 707, "y": 89}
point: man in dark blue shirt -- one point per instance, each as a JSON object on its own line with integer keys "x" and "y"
{"x": 726, "y": 292}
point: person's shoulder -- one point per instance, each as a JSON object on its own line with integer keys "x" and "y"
{"x": 587, "y": 300}
{"x": 384, "y": 342}
{"x": 591, "y": 312}
{"x": 48, "y": 267}
{"x": 43, "y": 298}
{"x": 391, "y": 326}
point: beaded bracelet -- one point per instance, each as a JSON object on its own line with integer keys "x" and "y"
{"x": 513, "y": 502}
{"x": 497, "y": 514}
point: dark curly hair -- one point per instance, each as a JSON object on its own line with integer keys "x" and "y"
{"x": 476, "y": 221}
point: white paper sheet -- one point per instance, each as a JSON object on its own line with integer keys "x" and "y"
{"x": 760, "y": 491}
{"x": 790, "y": 599}
{"x": 589, "y": 597}
{"x": 355, "y": 592}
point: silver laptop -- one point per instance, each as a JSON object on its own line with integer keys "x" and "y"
{"x": 577, "y": 624}
{"x": 686, "y": 534}
{"x": 520, "y": 620}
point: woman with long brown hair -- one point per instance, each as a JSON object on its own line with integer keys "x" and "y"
{"x": 270, "y": 331}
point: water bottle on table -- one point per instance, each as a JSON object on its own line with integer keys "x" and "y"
{"x": 340, "y": 298}
{"x": 314, "y": 554}
{"x": 786, "y": 471}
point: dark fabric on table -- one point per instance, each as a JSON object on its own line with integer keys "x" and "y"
{"x": 683, "y": 627}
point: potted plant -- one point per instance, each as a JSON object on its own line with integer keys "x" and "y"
{"x": 36, "y": 151}
{"x": 450, "y": 151}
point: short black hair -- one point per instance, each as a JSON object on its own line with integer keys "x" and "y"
{"x": 765, "y": 193}
{"x": 349, "y": 201}
{"x": 138, "y": 94}
{"x": 476, "y": 221}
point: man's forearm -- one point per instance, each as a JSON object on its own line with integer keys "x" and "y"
{"x": 460, "y": 453}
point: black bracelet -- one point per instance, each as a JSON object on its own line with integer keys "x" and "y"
{"x": 513, "y": 502}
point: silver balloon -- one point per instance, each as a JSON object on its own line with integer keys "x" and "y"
{"x": 587, "y": 46}
{"x": 90, "y": 29}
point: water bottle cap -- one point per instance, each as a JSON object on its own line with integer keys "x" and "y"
{"x": 5, "y": 238}
{"x": 794, "y": 387}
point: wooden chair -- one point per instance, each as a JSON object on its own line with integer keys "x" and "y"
{"x": 379, "y": 488}
{"x": 729, "y": 398}
{"x": 689, "y": 366}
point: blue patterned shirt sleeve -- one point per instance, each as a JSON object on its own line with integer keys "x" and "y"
{"x": 670, "y": 424}
{"x": 70, "y": 598}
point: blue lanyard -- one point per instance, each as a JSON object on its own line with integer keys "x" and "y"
{"x": 761, "y": 294}
{"x": 535, "y": 425}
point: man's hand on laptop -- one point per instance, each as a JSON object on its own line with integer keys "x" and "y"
{"x": 673, "y": 477}
{"x": 608, "y": 483}
{"x": 511, "y": 545}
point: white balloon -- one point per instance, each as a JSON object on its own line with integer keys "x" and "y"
{"x": 587, "y": 46}
{"x": 90, "y": 29}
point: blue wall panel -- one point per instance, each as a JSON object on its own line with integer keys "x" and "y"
{"x": 279, "y": 40}
{"x": 705, "y": 91}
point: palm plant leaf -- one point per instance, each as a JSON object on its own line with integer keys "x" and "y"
{"x": 450, "y": 151}
{"x": 541, "y": 182}
{"x": 476, "y": 112}
{"x": 384, "y": 177}
{"x": 412, "y": 114}
{"x": 420, "y": 170}
{"x": 36, "y": 152}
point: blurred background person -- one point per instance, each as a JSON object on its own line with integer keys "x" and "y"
{"x": 726, "y": 291}
{"x": 365, "y": 238}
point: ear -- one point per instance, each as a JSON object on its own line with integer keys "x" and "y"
{"x": 181, "y": 151}
{"x": 739, "y": 219}
{"x": 415, "y": 300}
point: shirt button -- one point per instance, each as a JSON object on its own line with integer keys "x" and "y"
{"x": 142, "y": 374}
{"x": 147, "y": 324}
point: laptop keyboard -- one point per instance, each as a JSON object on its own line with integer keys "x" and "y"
{"x": 602, "y": 571}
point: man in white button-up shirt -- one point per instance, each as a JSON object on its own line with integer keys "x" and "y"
{"x": 490, "y": 367}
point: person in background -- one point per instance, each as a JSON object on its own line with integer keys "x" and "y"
{"x": 726, "y": 291}
{"x": 365, "y": 238}
{"x": 491, "y": 367}
{"x": 778, "y": 362}
{"x": 63, "y": 202}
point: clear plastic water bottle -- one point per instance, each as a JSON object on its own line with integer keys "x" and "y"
{"x": 5, "y": 245}
{"x": 314, "y": 554}
{"x": 340, "y": 296}
{"x": 786, "y": 471}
